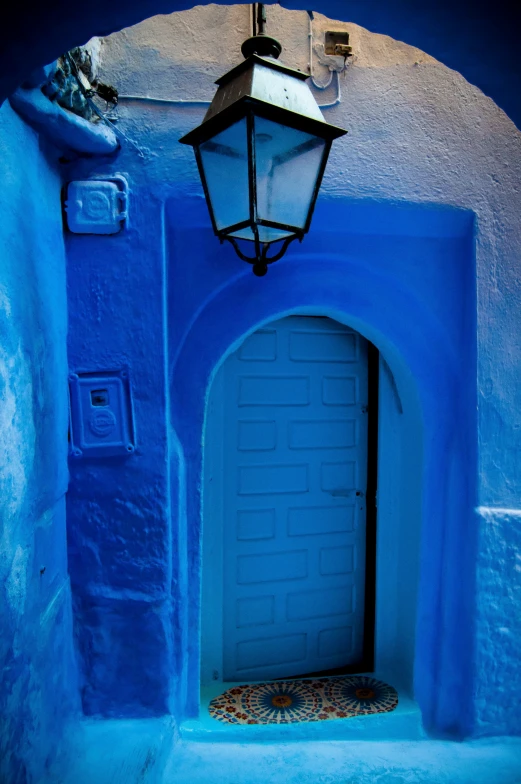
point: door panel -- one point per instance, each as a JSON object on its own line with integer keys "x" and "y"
{"x": 294, "y": 403}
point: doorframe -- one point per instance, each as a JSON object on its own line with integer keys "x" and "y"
{"x": 373, "y": 395}
{"x": 429, "y": 515}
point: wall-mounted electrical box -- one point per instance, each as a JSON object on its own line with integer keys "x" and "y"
{"x": 97, "y": 206}
{"x": 102, "y": 420}
{"x": 337, "y": 43}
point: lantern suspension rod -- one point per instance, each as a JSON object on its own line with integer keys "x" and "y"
{"x": 261, "y": 19}
{"x": 258, "y": 18}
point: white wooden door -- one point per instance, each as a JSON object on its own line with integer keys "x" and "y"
{"x": 294, "y": 476}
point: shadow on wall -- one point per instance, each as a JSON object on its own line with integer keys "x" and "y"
{"x": 409, "y": 289}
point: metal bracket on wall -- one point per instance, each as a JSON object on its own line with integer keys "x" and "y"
{"x": 101, "y": 414}
{"x": 98, "y": 205}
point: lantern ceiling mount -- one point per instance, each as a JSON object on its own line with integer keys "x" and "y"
{"x": 261, "y": 152}
{"x": 260, "y": 43}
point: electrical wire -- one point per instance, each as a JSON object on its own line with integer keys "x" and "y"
{"x": 189, "y": 102}
{"x": 149, "y": 99}
{"x": 338, "y": 98}
{"x": 333, "y": 71}
{"x": 258, "y": 22}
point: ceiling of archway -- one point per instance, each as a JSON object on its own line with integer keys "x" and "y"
{"x": 477, "y": 39}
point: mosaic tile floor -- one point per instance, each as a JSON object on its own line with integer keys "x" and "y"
{"x": 288, "y": 702}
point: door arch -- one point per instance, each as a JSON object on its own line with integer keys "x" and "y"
{"x": 413, "y": 496}
{"x": 285, "y": 503}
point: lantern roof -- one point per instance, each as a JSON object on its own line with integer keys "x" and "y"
{"x": 261, "y": 152}
{"x": 273, "y": 89}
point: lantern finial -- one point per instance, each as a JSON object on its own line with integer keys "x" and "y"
{"x": 263, "y": 45}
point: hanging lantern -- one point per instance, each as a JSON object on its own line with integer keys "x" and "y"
{"x": 261, "y": 151}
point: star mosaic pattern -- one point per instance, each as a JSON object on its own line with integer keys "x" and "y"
{"x": 289, "y": 702}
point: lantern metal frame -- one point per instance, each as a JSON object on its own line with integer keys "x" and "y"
{"x": 234, "y": 101}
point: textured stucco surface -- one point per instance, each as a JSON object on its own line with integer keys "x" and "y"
{"x": 476, "y": 39}
{"x": 143, "y": 752}
{"x": 118, "y": 508}
{"x": 418, "y": 133}
{"x": 498, "y": 618}
{"x": 430, "y": 166}
{"x": 39, "y": 688}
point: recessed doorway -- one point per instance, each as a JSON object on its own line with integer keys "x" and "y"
{"x": 288, "y": 510}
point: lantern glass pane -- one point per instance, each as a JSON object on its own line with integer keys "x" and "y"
{"x": 288, "y": 164}
{"x": 225, "y": 163}
{"x": 266, "y": 234}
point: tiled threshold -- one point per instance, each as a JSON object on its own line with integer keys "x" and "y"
{"x": 404, "y": 723}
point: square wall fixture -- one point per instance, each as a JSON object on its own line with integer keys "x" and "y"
{"x": 102, "y": 420}
{"x": 97, "y": 206}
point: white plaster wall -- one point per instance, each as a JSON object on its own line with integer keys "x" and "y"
{"x": 418, "y": 132}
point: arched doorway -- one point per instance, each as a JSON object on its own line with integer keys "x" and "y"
{"x": 288, "y": 511}
{"x": 414, "y": 425}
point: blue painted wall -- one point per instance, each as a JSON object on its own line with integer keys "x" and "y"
{"x": 163, "y": 298}
{"x": 405, "y": 248}
{"x": 134, "y": 523}
{"x": 119, "y": 508}
{"x": 370, "y": 285}
{"x": 39, "y": 685}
